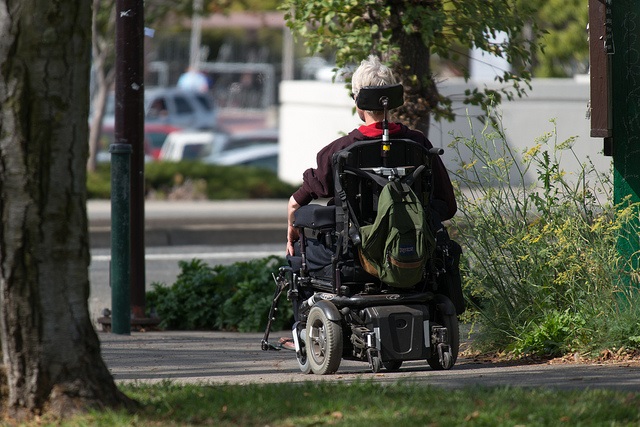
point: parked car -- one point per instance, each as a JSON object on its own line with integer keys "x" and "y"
{"x": 154, "y": 137}
{"x": 209, "y": 145}
{"x": 261, "y": 156}
{"x": 156, "y": 134}
{"x": 174, "y": 107}
{"x": 239, "y": 141}
{"x": 191, "y": 144}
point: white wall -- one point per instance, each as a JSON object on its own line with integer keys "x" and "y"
{"x": 312, "y": 114}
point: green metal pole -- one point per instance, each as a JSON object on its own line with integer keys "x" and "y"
{"x": 625, "y": 33}
{"x": 120, "y": 238}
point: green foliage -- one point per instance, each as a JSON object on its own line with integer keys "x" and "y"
{"x": 565, "y": 44}
{"x": 550, "y": 334}
{"x": 403, "y": 32}
{"x": 235, "y": 297}
{"x": 231, "y": 182}
{"x": 542, "y": 264}
{"x": 211, "y": 181}
{"x": 99, "y": 182}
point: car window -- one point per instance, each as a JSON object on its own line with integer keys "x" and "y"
{"x": 246, "y": 142}
{"x": 270, "y": 162}
{"x": 234, "y": 144}
{"x": 182, "y": 105}
{"x": 158, "y": 108}
{"x": 204, "y": 102}
{"x": 192, "y": 151}
{"x": 156, "y": 138}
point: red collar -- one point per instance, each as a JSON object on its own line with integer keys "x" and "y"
{"x": 374, "y": 130}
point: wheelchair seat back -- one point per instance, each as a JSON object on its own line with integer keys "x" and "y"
{"x": 358, "y": 192}
{"x": 361, "y": 171}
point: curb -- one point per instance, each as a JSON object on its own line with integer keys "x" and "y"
{"x": 100, "y": 237}
{"x": 184, "y": 223}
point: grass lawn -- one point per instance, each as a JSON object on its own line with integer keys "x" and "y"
{"x": 365, "y": 404}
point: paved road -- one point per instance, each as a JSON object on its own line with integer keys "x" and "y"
{"x": 236, "y": 358}
{"x": 182, "y": 223}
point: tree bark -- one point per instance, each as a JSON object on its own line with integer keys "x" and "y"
{"x": 414, "y": 69}
{"x": 50, "y": 349}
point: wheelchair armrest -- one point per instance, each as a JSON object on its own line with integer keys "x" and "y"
{"x": 295, "y": 262}
{"x": 315, "y": 216}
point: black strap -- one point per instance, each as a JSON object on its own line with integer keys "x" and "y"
{"x": 402, "y": 187}
{"x": 380, "y": 180}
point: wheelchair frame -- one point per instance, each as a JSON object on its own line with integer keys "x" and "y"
{"x": 341, "y": 312}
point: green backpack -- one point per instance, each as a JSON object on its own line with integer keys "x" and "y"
{"x": 397, "y": 246}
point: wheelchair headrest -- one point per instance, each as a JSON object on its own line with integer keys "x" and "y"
{"x": 370, "y": 98}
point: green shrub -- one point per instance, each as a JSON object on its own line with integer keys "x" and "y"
{"x": 211, "y": 181}
{"x": 542, "y": 264}
{"x": 234, "y": 297}
{"x": 99, "y": 182}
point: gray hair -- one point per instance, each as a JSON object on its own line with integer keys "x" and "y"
{"x": 371, "y": 72}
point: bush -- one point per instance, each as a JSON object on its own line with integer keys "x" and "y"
{"x": 235, "y": 297}
{"x": 211, "y": 181}
{"x": 99, "y": 182}
{"x": 542, "y": 264}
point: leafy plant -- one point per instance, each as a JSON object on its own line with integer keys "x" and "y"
{"x": 542, "y": 265}
{"x": 405, "y": 34}
{"x": 212, "y": 182}
{"x": 234, "y": 297}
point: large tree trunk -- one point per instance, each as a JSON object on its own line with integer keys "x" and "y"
{"x": 50, "y": 349}
{"x": 414, "y": 69}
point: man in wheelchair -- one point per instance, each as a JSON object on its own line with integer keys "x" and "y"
{"x": 373, "y": 275}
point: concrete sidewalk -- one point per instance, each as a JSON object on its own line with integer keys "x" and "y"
{"x": 183, "y": 223}
{"x": 237, "y": 358}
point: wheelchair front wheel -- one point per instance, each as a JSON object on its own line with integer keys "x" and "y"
{"x": 323, "y": 343}
{"x": 301, "y": 356}
{"x": 445, "y": 315}
{"x": 303, "y": 362}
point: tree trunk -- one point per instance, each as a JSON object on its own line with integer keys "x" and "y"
{"x": 50, "y": 349}
{"x": 414, "y": 69}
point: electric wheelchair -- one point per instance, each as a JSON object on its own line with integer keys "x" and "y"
{"x": 342, "y": 309}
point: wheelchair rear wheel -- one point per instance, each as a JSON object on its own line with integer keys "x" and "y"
{"x": 445, "y": 315}
{"x": 323, "y": 343}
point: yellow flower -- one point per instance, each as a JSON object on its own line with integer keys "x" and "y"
{"x": 468, "y": 166}
{"x": 531, "y": 152}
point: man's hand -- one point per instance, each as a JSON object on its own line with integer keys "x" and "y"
{"x": 292, "y": 237}
{"x": 292, "y": 232}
